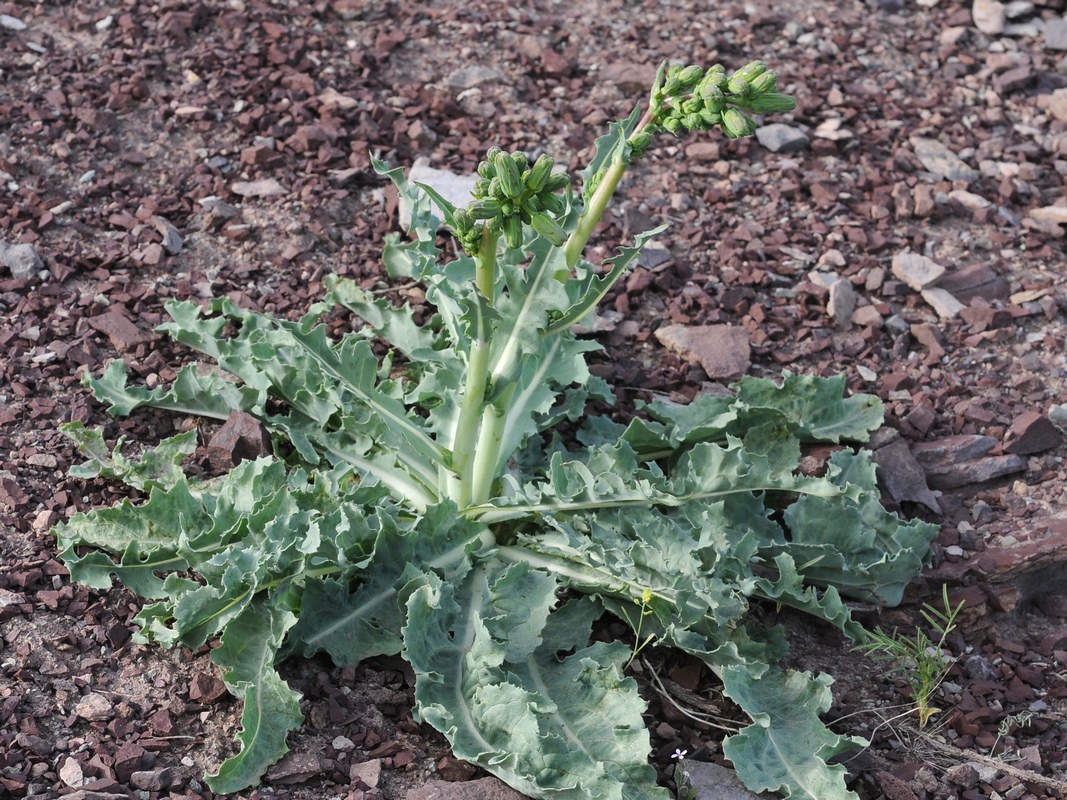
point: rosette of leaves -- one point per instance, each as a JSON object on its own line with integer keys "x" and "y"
{"x": 433, "y": 510}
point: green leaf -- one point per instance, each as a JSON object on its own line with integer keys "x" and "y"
{"x": 787, "y": 748}
{"x": 566, "y": 727}
{"x": 271, "y": 709}
{"x": 158, "y": 466}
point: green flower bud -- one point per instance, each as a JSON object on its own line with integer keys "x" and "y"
{"x": 462, "y": 221}
{"x": 736, "y": 125}
{"x": 692, "y": 105}
{"x": 549, "y": 228}
{"x": 496, "y": 188}
{"x": 640, "y": 141}
{"x": 551, "y": 203}
{"x": 689, "y": 76}
{"x": 692, "y": 122}
{"x": 509, "y": 174}
{"x": 539, "y": 173}
{"x": 487, "y": 170}
{"x": 751, "y": 70}
{"x": 484, "y": 209}
{"x": 673, "y": 125}
{"x": 767, "y": 82}
{"x": 492, "y": 153}
{"x": 711, "y": 117}
{"x": 738, "y": 87}
{"x": 529, "y": 206}
{"x": 771, "y": 103}
{"x": 513, "y": 232}
{"x": 710, "y": 93}
{"x": 555, "y": 182}
{"x": 673, "y": 87}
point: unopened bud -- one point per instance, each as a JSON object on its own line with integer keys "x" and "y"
{"x": 487, "y": 170}
{"x": 555, "y": 182}
{"x": 539, "y": 174}
{"x": 507, "y": 171}
{"x": 689, "y": 76}
{"x": 640, "y": 140}
{"x": 736, "y": 125}
{"x": 513, "y": 232}
{"x": 549, "y": 228}
{"x": 551, "y": 203}
{"x": 751, "y": 70}
{"x": 673, "y": 125}
{"x": 771, "y": 103}
{"x": 484, "y": 209}
{"x": 767, "y": 82}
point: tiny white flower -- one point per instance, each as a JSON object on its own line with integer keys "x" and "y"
{"x": 680, "y": 754}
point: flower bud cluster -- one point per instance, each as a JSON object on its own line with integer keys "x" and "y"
{"x": 690, "y": 98}
{"x": 510, "y": 192}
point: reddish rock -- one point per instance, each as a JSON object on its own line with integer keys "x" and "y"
{"x": 124, "y": 335}
{"x": 241, "y": 438}
{"x": 975, "y": 280}
{"x": 902, "y": 476}
{"x": 961, "y": 460}
{"x": 1031, "y": 432}
{"x": 205, "y": 688}
{"x": 722, "y": 350}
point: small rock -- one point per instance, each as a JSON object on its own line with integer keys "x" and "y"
{"x": 942, "y": 301}
{"x": 1056, "y": 34}
{"x": 469, "y": 77}
{"x": 781, "y": 138}
{"x": 938, "y": 159}
{"x": 367, "y": 772}
{"x": 12, "y": 23}
{"x": 456, "y": 189}
{"x": 481, "y": 789}
{"x": 21, "y": 259}
{"x": 1057, "y": 104}
{"x": 452, "y": 769}
{"x": 295, "y": 768}
{"x": 702, "y": 151}
{"x": 918, "y": 272}
{"x": 969, "y": 200}
{"x": 154, "y": 780}
{"x": 963, "y": 775}
{"x": 265, "y": 187}
{"x": 94, "y": 707}
{"x": 1031, "y": 433}
{"x": 172, "y": 239}
{"x": 722, "y": 350}
{"x": 975, "y": 280}
{"x": 71, "y": 773}
{"x": 1018, "y": 8}
{"x": 1053, "y": 214}
{"x": 714, "y": 782}
{"x": 842, "y": 302}
{"x": 128, "y": 759}
{"x": 342, "y": 743}
{"x": 630, "y": 77}
{"x": 124, "y": 335}
{"x": 902, "y": 475}
{"x": 205, "y": 688}
{"x": 960, "y": 460}
{"x": 1057, "y": 414}
{"x": 333, "y": 100}
{"x": 241, "y": 438}
{"x": 989, "y": 16}
{"x": 867, "y": 316}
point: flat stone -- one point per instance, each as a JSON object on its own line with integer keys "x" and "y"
{"x": 153, "y": 780}
{"x": 938, "y": 159}
{"x": 455, "y": 188}
{"x": 781, "y": 138}
{"x": 702, "y": 151}
{"x": 367, "y": 772}
{"x": 1056, "y": 34}
{"x": 94, "y": 707}
{"x": 1018, "y": 8}
{"x": 930, "y": 337}
{"x": 1057, "y": 104}
{"x": 12, "y": 23}
{"x": 969, "y": 200}
{"x": 867, "y": 316}
{"x": 1053, "y": 214}
{"x": 714, "y": 782}
{"x": 469, "y": 77}
{"x": 71, "y": 773}
{"x": 629, "y": 76}
{"x": 333, "y": 100}
{"x": 960, "y": 460}
{"x": 124, "y": 335}
{"x": 722, "y": 350}
{"x": 942, "y": 301}
{"x": 1031, "y": 432}
{"x": 241, "y": 438}
{"x": 295, "y": 768}
{"x": 481, "y": 789}
{"x": 206, "y": 688}
{"x": 975, "y": 280}
{"x": 1015, "y": 79}
{"x": 902, "y": 475}
{"x": 918, "y": 272}
{"x": 842, "y": 302}
{"x": 989, "y": 16}
{"x": 265, "y": 187}
{"x": 172, "y": 239}
{"x": 21, "y": 259}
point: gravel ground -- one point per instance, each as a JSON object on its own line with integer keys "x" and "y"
{"x": 903, "y": 227}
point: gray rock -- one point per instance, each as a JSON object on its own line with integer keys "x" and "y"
{"x": 456, "y": 189}
{"x": 722, "y": 350}
{"x": 781, "y": 138}
{"x": 1058, "y": 415}
{"x": 367, "y": 772}
{"x": 154, "y": 780}
{"x": 482, "y": 789}
{"x": 21, "y": 259}
{"x": 1056, "y": 34}
{"x": 902, "y": 475}
{"x": 989, "y": 16}
{"x": 1018, "y": 8}
{"x": 918, "y": 272}
{"x": 265, "y": 187}
{"x": 939, "y": 160}
{"x": 295, "y": 768}
{"x": 842, "y": 302}
{"x": 713, "y": 782}
{"x": 629, "y": 76}
{"x": 942, "y": 301}
{"x": 469, "y": 77}
{"x": 960, "y": 460}
{"x": 12, "y": 23}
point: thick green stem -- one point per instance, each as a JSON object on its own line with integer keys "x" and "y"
{"x": 487, "y": 454}
{"x": 460, "y": 481}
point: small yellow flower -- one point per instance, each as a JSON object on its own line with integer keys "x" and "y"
{"x": 646, "y": 597}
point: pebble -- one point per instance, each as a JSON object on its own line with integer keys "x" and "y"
{"x": 21, "y": 259}
{"x": 94, "y": 707}
{"x": 1056, "y": 34}
{"x": 781, "y": 138}
{"x": 942, "y": 301}
{"x": 265, "y": 187}
{"x": 630, "y": 77}
{"x": 918, "y": 272}
{"x": 469, "y": 77}
{"x": 1031, "y": 433}
{"x": 1057, "y": 104}
{"x": 940, "y": 160}
{"x": 902, "y": 475}
{"x": 989, "y": 16}
{"x": 71, "y": 773}
{"x": 722, "y": 350}
{"x": 1052, "y": 214}
{"x": 842, "y": 302}
{"x": 481, "y": 789}
{"x": 367, "y": 772}
{"x": 12, "y": 23}
{"x": 969, "y": 200}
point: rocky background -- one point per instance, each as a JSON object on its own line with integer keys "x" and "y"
{"x": 903, "y": 227}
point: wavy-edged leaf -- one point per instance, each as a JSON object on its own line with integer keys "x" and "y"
{"x": 565, "y": 727}
{"x": 787, "y": 747}
{"x": 157, "y": 466}
{"x": 271, "y": 709}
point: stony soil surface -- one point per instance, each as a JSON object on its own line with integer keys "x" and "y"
{"x": 903, "y": 227}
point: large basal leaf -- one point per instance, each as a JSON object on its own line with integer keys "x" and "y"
{"x": 787, "y": 747}
{"x": 157, "y": 466}
{"x": 557, "y": 722}
{"x": 271, "y": 709}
